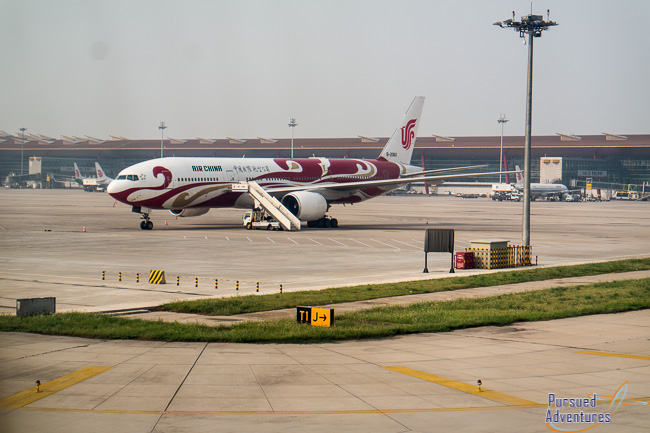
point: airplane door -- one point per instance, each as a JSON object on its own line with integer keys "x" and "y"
{"x": 230, "y": 176}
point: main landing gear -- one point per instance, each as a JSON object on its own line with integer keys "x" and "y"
{"x": 145, "y": 224}
{"x": 325, "y": 222}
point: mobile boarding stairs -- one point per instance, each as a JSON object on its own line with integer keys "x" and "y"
{"x": 270, "y": 204}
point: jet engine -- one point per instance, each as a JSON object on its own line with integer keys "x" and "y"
{"x": 190, "y": 212}
{"x": 306, "y": 205}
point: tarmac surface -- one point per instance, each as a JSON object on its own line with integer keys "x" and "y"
{"x": 419, "y": 383}
{"x": 416, "y": 383}
{"x": 45, "y": 252}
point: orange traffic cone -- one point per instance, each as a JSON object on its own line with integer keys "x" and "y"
{"x": 84, "y": 229}
{"x": 165, "y": 222}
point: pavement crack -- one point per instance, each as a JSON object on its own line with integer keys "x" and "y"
{"x": 205, "y": 345}
{"x": 262, "y": 387}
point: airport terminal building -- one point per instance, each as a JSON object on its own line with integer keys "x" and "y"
{"x": 608, "y": 160}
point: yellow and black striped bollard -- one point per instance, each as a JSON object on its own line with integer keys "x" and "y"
{"x": 258, "y": 287}
{"x": 280, "y": 288}
{"x": 196, "y": 282}
{"x": 137, "y": 278}
{"x": 120, "y": 276}
{"x": 237, "y": 287}
{"x": 216, "y": 284}
{"x": 178, "y": 280}
{"x": 103, "y": 275}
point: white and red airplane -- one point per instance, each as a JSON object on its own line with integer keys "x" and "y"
{"x": 189, "y": 186}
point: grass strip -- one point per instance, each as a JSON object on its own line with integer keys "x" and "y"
{"x": 556, "y": 303}
{"x": 255, "y": 303}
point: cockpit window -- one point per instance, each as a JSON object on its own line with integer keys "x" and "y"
{"x": 127, "y": 177}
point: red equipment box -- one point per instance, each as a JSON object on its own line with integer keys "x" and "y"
{"x": 465, "y": 260}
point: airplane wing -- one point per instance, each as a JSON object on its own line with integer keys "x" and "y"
{"x": 433, "y": 180}
{"x": 442, "y": 170}
{"x": 63, "y": 179}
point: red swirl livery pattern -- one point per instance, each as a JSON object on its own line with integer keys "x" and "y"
{"x": 407, "y": 134}
{"x": 166, "y": 173}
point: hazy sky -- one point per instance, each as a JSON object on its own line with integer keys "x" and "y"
{"x": 242, "y": 68}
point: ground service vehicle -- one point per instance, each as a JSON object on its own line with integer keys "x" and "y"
{"x": 259, "y": 219}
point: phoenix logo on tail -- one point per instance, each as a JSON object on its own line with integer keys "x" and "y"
{"x": 408, "y": 134}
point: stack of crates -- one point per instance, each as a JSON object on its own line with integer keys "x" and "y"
{"x": 490, "y": 253}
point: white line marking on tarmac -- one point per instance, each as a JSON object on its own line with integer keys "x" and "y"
{"x": 334, "y": 240}
{"x": 384, "y": 243}
{"x": 314, "y": 241}
{"x": 249, "y": 239}
{"x": 227, "y": 238}
{"x": 270, "y": 239}
{"x": 410, "y": 245}
{"x": 293, "y": 241}
{"x": 361, "y": 243}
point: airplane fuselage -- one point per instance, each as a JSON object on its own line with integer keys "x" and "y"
{"x": 545, "y": 189}
{"x": 179, "y": 183}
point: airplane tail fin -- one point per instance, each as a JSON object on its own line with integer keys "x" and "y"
{"x": 400, "y": 145}
{"x": 77, "y": 173}
{"x": 519, "y": 175}
{"x": 100, "y": 173}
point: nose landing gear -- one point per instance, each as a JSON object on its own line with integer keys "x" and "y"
{"x": 145, "y": 224}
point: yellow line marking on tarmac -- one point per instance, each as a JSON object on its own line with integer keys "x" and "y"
{"x": 469, "y": 389}
{"x": 48, "y": 388}
{"x": 289, "y": 412}
{"x": 619, "y": 355}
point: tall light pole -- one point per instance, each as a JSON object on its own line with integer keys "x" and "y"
{"x": 292, "y": 125}
{"x": 502, "y": 120}
{"x": 531, "y": 25}
{"x": 22, "y": 150}
{"x": 162, "y": 130}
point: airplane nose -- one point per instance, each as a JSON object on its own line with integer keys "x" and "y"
{"x": 112, "y": 188}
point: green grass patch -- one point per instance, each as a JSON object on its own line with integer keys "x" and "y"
{"x": 381, "y": 322}
{"x": 254, "y": 303}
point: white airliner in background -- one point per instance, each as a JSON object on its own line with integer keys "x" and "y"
{"x": 102, "y": 179}
{"x": 307, "y": 187}
{"x": 538, "y": 190}
{"x": 77, "y": 178}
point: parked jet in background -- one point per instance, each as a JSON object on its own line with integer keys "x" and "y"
{"x": 77, "y": 175}
{"x": 538, "y": 190}
{"x": 77, "y": 178}
{"x": 305, "y": 187}
{"x": 89, "y": 183}
{"x": 102, "y": 179}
